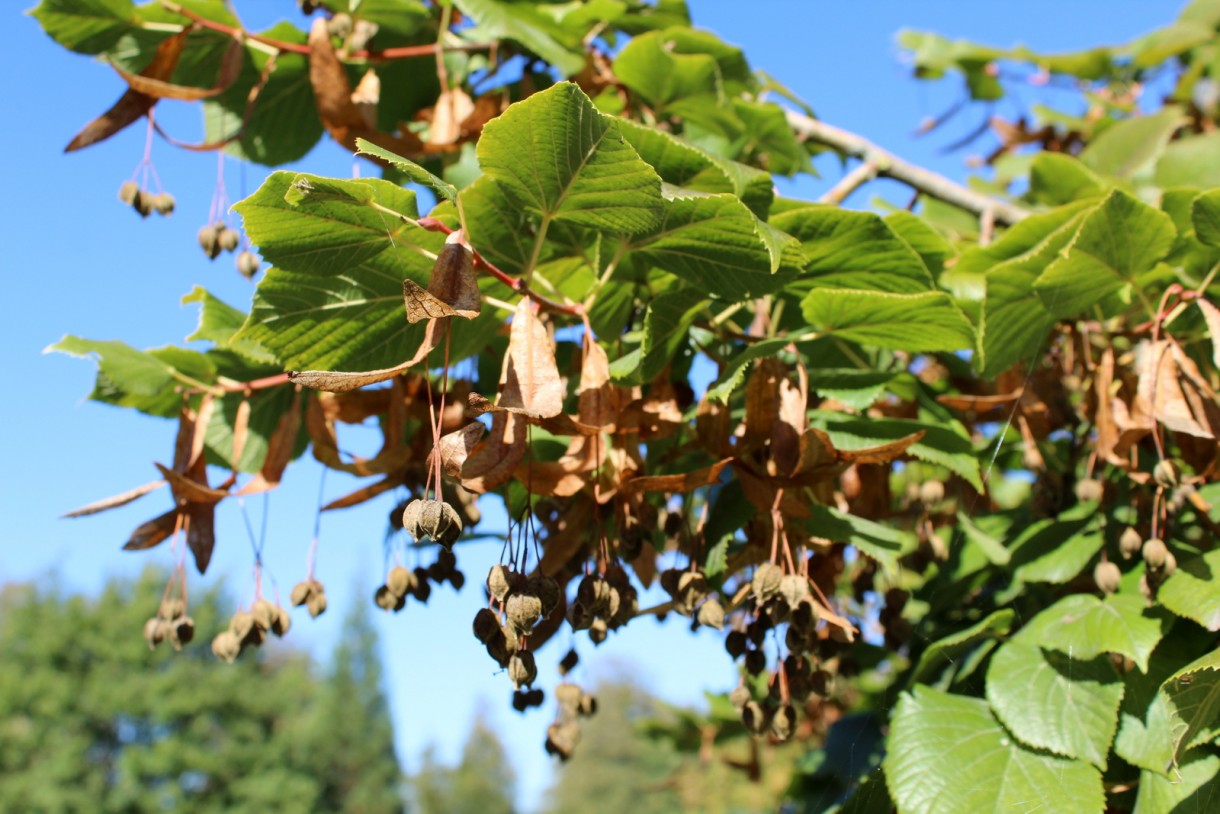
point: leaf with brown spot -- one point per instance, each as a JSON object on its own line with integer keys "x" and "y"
{"x": 117, "y": 500}
{"x": 132, "y": 104}
{"x": 187, "y": 490}
{"x": 152, "y": 532}
{"x": 492, "y": 461}
{"x": 279, "y": 451}
{"x": 159, "y": 88}
{"x": 366, "y": 493}
{"x": 686, "y": 482}
{"x": 532, "y": 385}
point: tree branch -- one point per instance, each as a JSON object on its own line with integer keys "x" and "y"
{"x": 889, "y": 165}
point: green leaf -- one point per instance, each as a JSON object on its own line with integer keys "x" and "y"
{"x": 673, "y": 84}
{"x": 853, "y": 387}
{"x": 498, "y": 229}
{"x": 218, "y": 322}
{"x": 1193, "y": 590}
{"x": 948, "y": 755}
{"x": 1193, "y": 697}
{"x": 87, "y": 26}
{"x": 523, "y": 23}
{"x": 669, "y": 317}
{"x": 711, "y": 242}
{"x": 1015, "y": 323}
{"x": 560, "y": 158}
{"x": 928, "y": 243}
{"x": 989, "y": 545}
{"x": 855, "y": 250}
{"x": 939, "y": 445}
{"x": 1072, "y": 553}
{"x": 1205, "y": 215}
{"x": 1067, "y": 706}
{"x": 284, "y": 124}
{"x": 1083, "y": 626}
{"x": 1058, "y": 178}
{"x": 733, "y": 372}
{"x": 1193, "y": 788}
{"x": 1144, "y": 737}
{"x": 912, "y": 322}
{"x": 1132, "y": 145}
{"x": 1193, "y": 161}
{"x": 677, "y": 162}
{"x": 409, "y": 168}
{"x": 771, "y": 141}
{"x": 143, "y": 380}
{"x": 266, "y": 408}
{"x": 1117, "y": 242}
{"x": 949, "y": 649}
{"x": 332, "y": 231}
{"x": 882, "y": 543}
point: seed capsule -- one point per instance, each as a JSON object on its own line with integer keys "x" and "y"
{"x": 766, "y": 582}
{"x": 248, "y": 264}
{"x": 181, "y": 631}
{"x": 739, "y": 697}
{"x": 547, "y": 591}
{"x": 486, "y": 625}
{"x": 128, "y": 191}
{"x": 302, "y": 592}
{"x": 1107, "y": 576}
{"x": 281, "y": 622}
{"x": 227, "y": 238}
{"x": 316, "y": 605}
{"x": 499, "y": 582}
{"x": 1089, "y": 490}
{"x": 164, "y": 203}
{"x": 1155, "y": 553}
{"x": 756, "y": 717}
{"x": 399, "y": 580}
{"x": 1130, "y": 543}
{"x": 523, "y": 612}
{"x": 783, "y": 723}
{"x": 207, "y": 237}
{"x": 561, "y": 739}
{"x": 264, "y": 614}
{"x": 241, "y": 624}
{"x": 226, "y": 646}
{"x": 1166, "y": 474}
{"x": 522, "y": 669}
{"x": 756, "y": 662}
{"x": 931, "y": 492}
{"x": 155, "y": 631}
{"x": 711, "y": 614}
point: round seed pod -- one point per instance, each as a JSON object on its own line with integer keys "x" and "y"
{"x": 386, "y": 599}
{"x": 598, "y": 630}
{"x": 735, "y": 643}
{"x": 164, "y": 203}
{"x": 568, "y": 696}
{"x": 316, "y": 605}
{"x": 447, "y": 560}
{"x": 796, "y": 639}
{"x": 535, "y": 697}
{"x": 227, "y": 238}
{"x": 931, "y": 492}
{"x": 756, "y": 717}
{"x": 588, "y": 705}
{"x": 156, "y": 630}
{"x": 255, "y": 637}
{"x": 422, "y": 589}
{"x": 568, "y": 662}
{"x": 248, "y": 264}
{"x": 440, "y": 521}
{"x": 457, "y": 579}
{"x": 486, "y": 625}
{"x": 547, "y": 591}
{"x": 740, "y": 696}
{"x": 793, "y": 588}
{"x": 302, "y": 592}
{"x": 711, "y": 614}
{"x": 128, "y": 191}
{"x": 523, "y": 612}
{"x": 1166, "y": 474}
{"x": 171, "y": 609}
{"x": 669, "y": 581}
{"x": 561, "y": 739}
{"x": 766, "y": 582}
{"x": 1089, "y": 490}
{"x": 339, "y": 25}
{"x": 805, "y": 615}
{"x": 1155, "y": 553}
{"x": 181, "y": 631}
{"x": 1107, "y": 576}
{"x": 226, "y": 646}
{"x": 1130, "y": 543}
{"x": 756, "y": 662}
{"x": 783, "y": 723}
{"x": 143, "y": 203}
{"x": 756, "y": 631}
{"x": 241, "y": 624}
{"x": 264, "y": 614}
{"x": 399, "y": 580}
{"x": 674, "y": 523}
{"x": 522, "y": 669}
{"x": 631, "y": 543}
{"x": 628, "y": 607}
{"x": 692, "y": 587}
{"x": 498, "y": 582}
{"x": 281, "y": 623}
{"x": 1171, "y": 564}
{"x": 579, "y": 616}
{"x": 207, "y": 237}
{"x": 410, "y": 519}
{"x": 497, "y": 648}
{"x": 520, "y": 701}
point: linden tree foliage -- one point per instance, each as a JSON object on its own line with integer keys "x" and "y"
{"x": 951, "y": 493}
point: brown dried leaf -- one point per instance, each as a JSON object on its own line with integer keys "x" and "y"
{"x": 367, "y": 96}
{"x": 686, "y": 482}
{"x": 279, "y": 451}
{"x": 492, "y": 461}
{"x": 159, "y": 88}
{"x": 192, "y": 431}
{"x": 334, "y": 381}
{"x": 132, "y": 104}
{"x": 883, "y": 453}
{"x": 818, "y": 458}
{"x": 599, "y": 401}
{"x": 565, "y": 540}
{"x": 532, "y": 385}
{"x": 153, "y": 532}
{"x": 366, "y": 493}
{"x": 1212, "y": 316}
{"x": 714, "y": 426}
{"x": 762, "y": 401}
{"x": 453, "y": 107}
{"x": 789, "y": 423}
{"x": 201, "y": 532}
{"x": 453, "y": 289}
{"x": 241, "y": 431}
{"x": 117, "y": 500}
{"x": 455, "y": 447}
{"x": 188, "y": 490}
{"x": 979, "y": 405}
{"x": 1160, "y": 390}
{"x": 566, "y": 476}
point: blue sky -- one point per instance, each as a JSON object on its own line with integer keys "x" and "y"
{"x": 77, "y": 261}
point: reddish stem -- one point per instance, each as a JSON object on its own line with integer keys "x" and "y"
{"x": 515, "y": 283}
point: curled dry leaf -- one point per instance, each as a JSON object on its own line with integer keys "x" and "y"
{"x": 492, "y": 461}
{"x": 279, "y": 451}
{"x": 132, "y": 104}
{"x": 201, "y": 532}
{"x": 453, "y": 107}
{"x": 241, "y": 431}
{"x": 187, "y": 490}
{"x": 532, "y": 385}
{"x": 686, "y": 482}
{"x": 566, "y": 476}
{"x": 117, "y": 500}
{"x": 192, "y": 431}
{"x": 366, "y": 493}
{"x": 152, "y": 532}
{"x": 455, "y": 447}
{"x": 159, "y": 88}
{"x": 320, "y": 416}
{"x": 453, "y": 289}
{"x": 1211, "y": 314}
{"x": 1171, "y": 394}
{"x": 367, "y": 96}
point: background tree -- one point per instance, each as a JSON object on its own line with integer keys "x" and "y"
{"x": 482, "y": 782}
{"x": 956, "y": 466}
{"x": 94, "y": 720}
